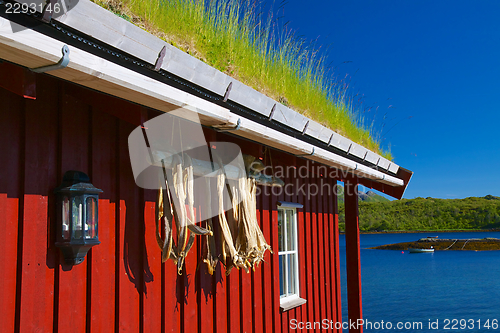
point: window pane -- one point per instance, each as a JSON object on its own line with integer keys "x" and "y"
{"x": 282, "y": 276}
{"x": 281, "y": 233}
{"x": 290, "y": 230}
{"x": 77, "y": 217}
{"x": 292, "y": 274}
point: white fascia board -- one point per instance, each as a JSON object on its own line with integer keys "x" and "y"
{"x": 31, "y": 49}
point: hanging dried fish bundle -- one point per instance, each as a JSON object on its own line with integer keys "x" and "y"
{"x": 242, "y": 244}
{"x": 174, "y": 209}
{"x": 251, "y": 242}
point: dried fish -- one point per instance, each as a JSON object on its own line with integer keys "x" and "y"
{"x": 242, "y": 243}
{"x": 164, "y": 214}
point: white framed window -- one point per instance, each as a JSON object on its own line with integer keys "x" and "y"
{"x": 288, "y": 254}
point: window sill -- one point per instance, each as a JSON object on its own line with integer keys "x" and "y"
{"x": 288, "y": 304}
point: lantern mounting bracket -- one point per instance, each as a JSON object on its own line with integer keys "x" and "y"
{"x": 62, "y": 63}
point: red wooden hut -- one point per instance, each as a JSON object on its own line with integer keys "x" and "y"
{"x": 78, "y": 116}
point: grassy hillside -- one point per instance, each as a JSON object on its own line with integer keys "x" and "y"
{"x": 230, "y": 36}
{"x": 428, "y": 214}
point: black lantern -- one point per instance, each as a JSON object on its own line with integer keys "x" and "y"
{"x": 77, "y": 202}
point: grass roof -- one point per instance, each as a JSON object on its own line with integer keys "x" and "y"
{"x": 230, "y": 36}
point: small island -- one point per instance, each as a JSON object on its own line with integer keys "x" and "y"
{"x": 471, "y": 244}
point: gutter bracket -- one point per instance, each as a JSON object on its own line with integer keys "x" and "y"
{"x": 237, "y": 127}
{"x": 303, "y": 155}
{"x": 305, "y": 128}
{"x": 228, "y": 90}
{"x": 272, "y": 112}
{"x": 330, "y": 141}
{"x": 159, "y": 60}
{"x": 48, "y": 9}
{"x": 63, "y": 62}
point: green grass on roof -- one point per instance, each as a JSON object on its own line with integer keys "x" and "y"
{"x": 230, "y": 36}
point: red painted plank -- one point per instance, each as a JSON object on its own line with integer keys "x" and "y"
{"x": 38, "y": 253}
{"x": 11, "y": 112}
{"x": 221, "y": 311}
{"x": 9, "y": 212}
{"x": 302, "y": 248}
{"x": 314, "y": 257}
{"x": 330, "y": 250}
{"x": 152, "y": 268}
{"x": 321, "y": 258}
{"x": 322, "y": 267}
{"x": 275, "y": 262}
{"x": 283, "y": 195}
{"x": 171, "y": 306}
{"x": 327, "y": 193}
{"x": 256, "y": 279}
{"x": 75, "y": 140}
{"x": 246, "y": 301}
{"x": 267, "y": 277}
{"x": 102, "y": 303}
{"x": 338, "y": 298}
{"x": 189, "y": 291}
{"x": 233, "y": 301}
{"x": 206, "y": 296}
{"x": 206, "y": 281}
{"x": 130, "y": 244}
{"x": 309, "y": 240}
{"x": 249, "y": 285}
{"x": 353, "y": 264}
{"x": 17, "y": 79}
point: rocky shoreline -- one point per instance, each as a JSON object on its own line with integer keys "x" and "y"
{"x": 471, "y": 244}
{"x": 422, "y": 231}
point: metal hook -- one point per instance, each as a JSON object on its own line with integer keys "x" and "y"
{"x": 61, "y": 64}
{"x": 311, "y": 154}
{"x": 237, "y": 127}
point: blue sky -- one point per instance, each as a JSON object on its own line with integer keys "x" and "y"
{"x": 433, "y": 70}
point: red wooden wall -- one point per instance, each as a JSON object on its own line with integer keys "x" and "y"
{"x": 122, "y": 284}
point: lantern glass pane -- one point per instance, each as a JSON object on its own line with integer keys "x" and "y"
{"x": 77, "y": 214}
{"x": 91, "y": 216}
{"x": 65, "y": 218}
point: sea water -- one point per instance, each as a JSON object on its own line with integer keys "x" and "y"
{"x": 445, "y": 291}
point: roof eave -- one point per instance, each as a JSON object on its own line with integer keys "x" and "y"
{"x": 31, "y": 49}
